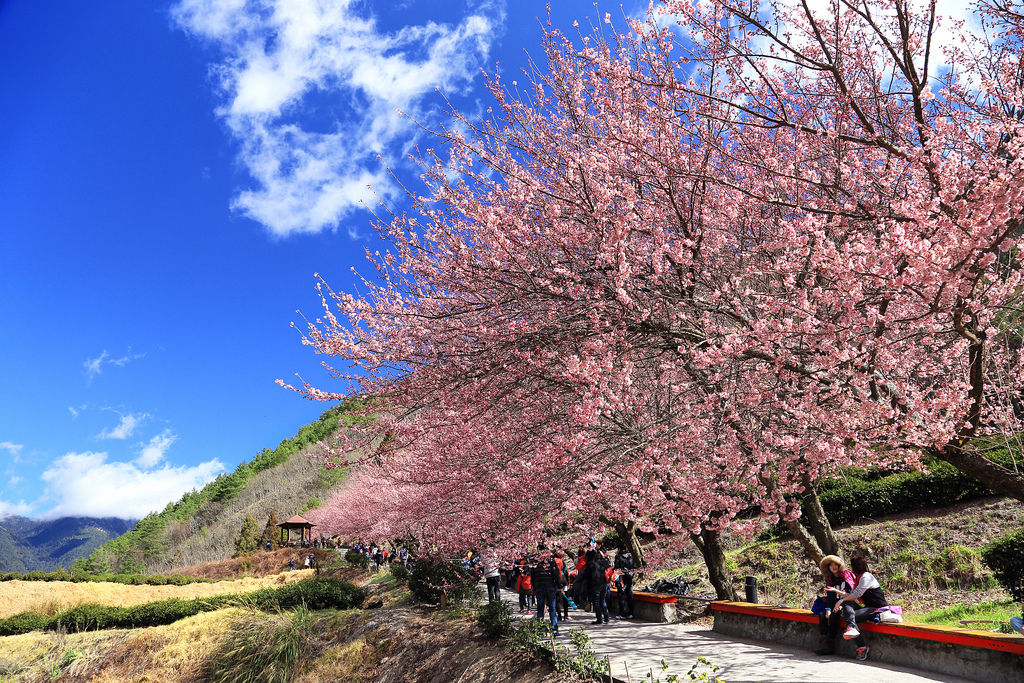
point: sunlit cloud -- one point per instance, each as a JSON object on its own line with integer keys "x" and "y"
{"x": 287, "y": 62}
{"x": 88, "y": 485}
{"x": 125, "y": 428}
{"x": 21, "y": 508}
{"x": 153, "y": 452}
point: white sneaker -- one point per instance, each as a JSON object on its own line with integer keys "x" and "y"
{"x": 851, "y": 633}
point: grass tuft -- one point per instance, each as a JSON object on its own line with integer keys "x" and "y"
{"x": 271, "y": 649}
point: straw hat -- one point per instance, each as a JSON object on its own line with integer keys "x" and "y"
{"x": 829, "y": 559}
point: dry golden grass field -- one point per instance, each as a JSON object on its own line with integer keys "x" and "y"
{"x": 50, "y": 597}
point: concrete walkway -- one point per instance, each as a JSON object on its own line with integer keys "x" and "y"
{"x": 636, "y": 649}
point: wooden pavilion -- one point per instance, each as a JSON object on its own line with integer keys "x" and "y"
{"x": 296, "y": 522}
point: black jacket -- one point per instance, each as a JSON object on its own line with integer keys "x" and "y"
{"x": 545, "y": 576}
{"x": 593, "y": 573}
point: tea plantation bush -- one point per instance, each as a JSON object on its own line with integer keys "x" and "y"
{"x": 357, "y": 559}
{"x": 80, "y": 577}
{"x": 314, "y": 594}
{"x": 861, "y": 493}
{"x": 1005, "y": 557}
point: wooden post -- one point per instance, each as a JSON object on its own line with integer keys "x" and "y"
{"x": 626, "y": 664}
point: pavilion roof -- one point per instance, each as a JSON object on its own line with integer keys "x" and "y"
{"x": 296, "y": 521}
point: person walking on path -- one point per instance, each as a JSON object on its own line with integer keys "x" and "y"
{"x": 624, "y": 567}
{"x": 492, "y": 576}
{"x": 596, "y": 583}
{"x": 547, "y": 585}
{"x": 563, "y": 573}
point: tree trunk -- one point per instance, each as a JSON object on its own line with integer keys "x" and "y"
{"x": 795, "y": 527}
{"x": 627, "y": 533}
{"x": 817, "y": 521}
{"x": 804, "y": 539}
{"x": 974, "y": 464}
{"x": 710, "y": 546}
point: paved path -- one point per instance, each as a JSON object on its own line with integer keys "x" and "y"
{"x": 641, "y": 647}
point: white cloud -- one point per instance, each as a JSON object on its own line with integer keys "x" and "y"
{"x": 20, "y": 508}
{"x": 286, "y": 59}
{"x": 14, "y": 481}
{"x": 125, "y": 428}
{"x": 13, "y": 448}
{"x": 153, "y": 452}
{"x": 86, "y": 484}
{"x": 124, "y": 360}
{"x": 94, "y": 366}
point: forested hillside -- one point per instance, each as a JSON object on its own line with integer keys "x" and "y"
{"x": 44, "y": 545}
{"x": 202, "y": 525}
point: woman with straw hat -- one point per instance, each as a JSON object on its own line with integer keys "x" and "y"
{"x": 837, "y": 576}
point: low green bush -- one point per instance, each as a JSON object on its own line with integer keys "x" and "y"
{"x": 357, "y": 559}
{"x": 862, "y": 493}
{"x": 431, "y": 578}
{"x": 400, "y": 572}
{"x": 319, "y": 593}
{"x": 495, "y": 619}
{"x": 23, "y": 623}
{"x": 1005, "y": 557}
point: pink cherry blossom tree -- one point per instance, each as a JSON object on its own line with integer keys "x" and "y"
{"x": 682, "y": 273}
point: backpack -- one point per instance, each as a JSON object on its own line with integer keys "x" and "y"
{"x": 609, "y": 574}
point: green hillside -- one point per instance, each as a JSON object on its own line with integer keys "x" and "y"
{"x": 202, "y": 525}
{"x": 15, "y": 554}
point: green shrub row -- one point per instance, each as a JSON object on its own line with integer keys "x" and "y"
{"x": 82, "y": 577}
{"x": 1005, "y": 557}
{"x": 860, "y": 494}
{"x": 317, "y": 593}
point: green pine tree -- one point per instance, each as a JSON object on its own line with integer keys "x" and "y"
{"x": 271, "y": 533}
{"x": 248, "y": 538}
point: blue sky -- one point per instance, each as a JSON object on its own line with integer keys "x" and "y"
{"x": 172, "y": 174}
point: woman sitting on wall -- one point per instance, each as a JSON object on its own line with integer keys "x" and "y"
{"x": 866, "y": 590}
{"x": 837, "y": 576}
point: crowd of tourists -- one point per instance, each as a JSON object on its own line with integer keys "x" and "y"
{"x": 555, "y": 580}
{"x": 381, "y": 557}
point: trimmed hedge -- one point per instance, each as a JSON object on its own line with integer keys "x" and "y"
{"x": 130, "y": 579}
{"x": 869, "y": 494}
{"x": 317, "y": 593}
{"x": 1005, "y": 557}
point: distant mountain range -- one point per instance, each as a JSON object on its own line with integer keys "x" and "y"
{"x": 28, "y": 545}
